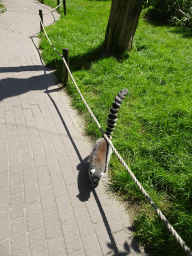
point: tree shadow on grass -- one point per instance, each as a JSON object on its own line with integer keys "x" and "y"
{"x": 84, "y": 61}
{"x": 185, "y": 32}
{"x": 98, "y": 0}
{"x": 159, "y": 19}
{"x": 156, "y": 18}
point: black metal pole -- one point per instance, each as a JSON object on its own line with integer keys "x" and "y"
{"x": 64, "y": 6}
{"x": 65, "y": 71}
{"x": 58, "y": 2}
{"x": 41, "y": 17}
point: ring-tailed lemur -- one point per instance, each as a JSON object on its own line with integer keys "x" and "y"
{"x": 101, "y": 153}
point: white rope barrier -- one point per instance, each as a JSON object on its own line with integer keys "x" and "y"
{"x": 53, "y": 9}
{"x": 49, "y": 39}
{"x": 158, "y": 212}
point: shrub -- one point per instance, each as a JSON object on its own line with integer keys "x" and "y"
{"x": 179, "y": 11}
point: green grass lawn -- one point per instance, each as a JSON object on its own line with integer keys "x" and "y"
{"x": 154, "y": 127}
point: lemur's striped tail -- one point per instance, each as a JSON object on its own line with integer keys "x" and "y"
{"x": 112, "y": 117}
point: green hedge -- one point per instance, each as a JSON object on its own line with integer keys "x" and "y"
{"x": 171, "y": 10}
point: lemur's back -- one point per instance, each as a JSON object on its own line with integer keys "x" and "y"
{"x": 101, "y": 153}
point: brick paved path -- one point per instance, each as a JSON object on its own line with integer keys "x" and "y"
{"x": 46, "y": 205}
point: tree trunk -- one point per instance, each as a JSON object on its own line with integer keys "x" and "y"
{"x": 122, "y": 24}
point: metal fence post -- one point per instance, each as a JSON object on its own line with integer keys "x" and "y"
{"x": 65, "y": 71}
{"x": 64, "y": 6}
{"x": 41, "y": 17}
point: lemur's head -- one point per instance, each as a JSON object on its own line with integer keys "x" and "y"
{"x": 95, "y": 176}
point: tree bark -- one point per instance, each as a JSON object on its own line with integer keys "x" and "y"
{"x": 122, "y": 24}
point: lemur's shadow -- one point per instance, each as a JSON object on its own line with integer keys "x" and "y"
{"x": 85, "y": 189}
{"x": 84, "y": 184}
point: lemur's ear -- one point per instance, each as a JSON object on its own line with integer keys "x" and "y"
{"x": 102, "y": 174}
{"x": 93, "y": 170}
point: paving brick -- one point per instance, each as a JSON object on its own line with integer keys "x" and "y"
{"x": 15, "y": 165}
{"x": 20, "y": 122}
{"x": 4, "y": 198}
{"x": 15, "y": 101}
{"x": 72, "y": 150}
{"x": 16, "y": 183}
{"x": 30, "y": 122}
{"x": 74, "y": 194}
{"x": 22, "y": 252}
{"x": 3, "y": 144}
{"x": 19, "y": 235}
{"x": 52, "y": 224}
{"x": 22, "y": 131}
{"x": 54, "y": 168}
{"x": 18, "y": 109}
{"x": 35, "y": 139}
{"x": 2, "y": 113}
{"x": 34, "y": 216}
{"x": 82, "y": 147}
{"x": 59, "y": 146}
{"x": 68, "y": 174}
{"x": 3, "y": 160}
{"x": 5, "y": 248}
{"x": 126, "y": 244}
{"x": 39, "y": 159}
{"x": 59, "y": 186}
{"x": 8, "y": 105}
{"x": 24, "y": 143}
{"x": 37, "y": 243}
{"x": 91, "y": 245}
{"x": 79, "y": 253}
{"x": 41, "y": 125}
{"x": 3, "y": 132}
{"x": 83, "y": 221}
{"x": 93, "y": 210}
{"x": 26, "y": 156}
{"x": 25, "y": 103}
{"x": 106, "y": 239}
{"x": 56, "y": 247}
{"x": 4, "y": 177}
{"x": 47, "y": 196}
{"x": 101, "y": 194}
{"x": 43, "y": 175}
{"x": 10, "y": 122}
{"x": 64, "y": 208}
{"x": 14, "y": 151}
{"x": 49, "y": 149}
{"x": 31, "y": 192}
{"x": 72, "y": 237}
{"x": 121, "y": 210}
{"x": 76, "y": 164}
{"x": 17, "y": 206}
{"x": 29, "y": 174}
{"x": 113, "y": 218}
{"x": 44, "y": 136}
{"x": 12, "y": 136}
